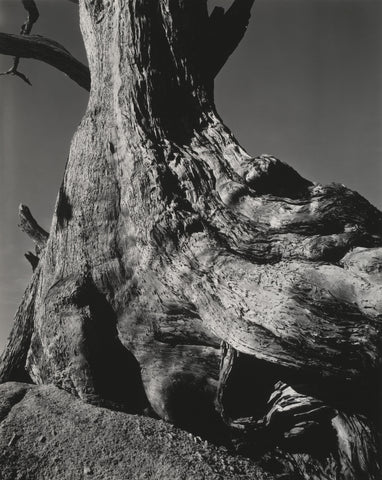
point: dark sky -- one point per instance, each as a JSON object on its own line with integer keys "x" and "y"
{"x": 304, "y": 85}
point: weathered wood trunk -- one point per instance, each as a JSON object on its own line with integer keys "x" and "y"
{"x": 183, "y": 275}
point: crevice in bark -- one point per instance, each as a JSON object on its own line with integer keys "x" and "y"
{"x": 64, "y": 209}
{"x": 115, "y": 371}
{"x": 87, "y": 358}
{"x": 299, "y": 416}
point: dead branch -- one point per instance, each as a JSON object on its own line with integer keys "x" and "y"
{"x": 32, "y": 259}
{"x": 28, "y": 224}
{"x": 48, "y": 51}
{"x": 226, "y": 31}
{"x": 33, "y": 14}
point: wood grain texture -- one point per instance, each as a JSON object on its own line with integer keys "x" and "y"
{"x": 169, "y": 240}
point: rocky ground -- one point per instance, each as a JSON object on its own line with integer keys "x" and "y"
{"x": 47, "y": 434}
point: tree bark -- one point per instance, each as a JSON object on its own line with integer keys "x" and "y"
{"x": 171, "y": 248}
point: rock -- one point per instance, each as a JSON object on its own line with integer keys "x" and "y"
{"x": 102, "y": 444}
{"x": 13, "y": 440}
{"x": 88, "y": 470}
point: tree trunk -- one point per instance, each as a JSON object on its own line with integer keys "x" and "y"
{"x": 184, "y": 276}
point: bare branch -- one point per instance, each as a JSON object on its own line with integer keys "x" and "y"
{"x": 32, "y": 259}
{"x": 33, "y": 14}
{"x": 28, "y": 224}
{"x": 13, "y": 71}
{"x": 226, "y": 30}
{"x": 48, "y": 51}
